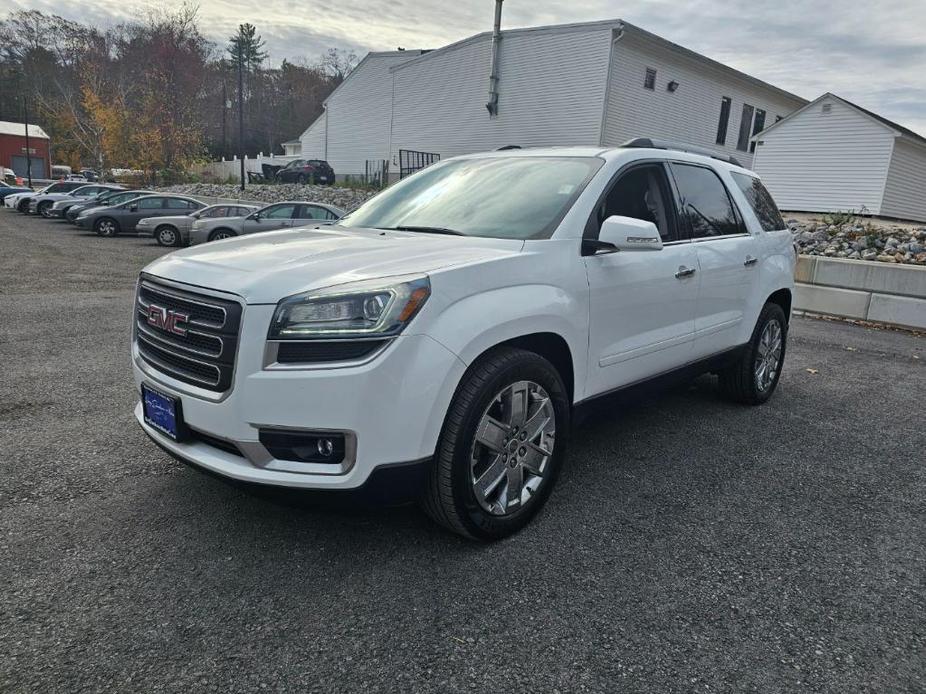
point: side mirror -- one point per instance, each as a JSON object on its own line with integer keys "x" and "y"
{"x": 133, "y": 208}
{"x": 254, "y": 215}
{"x": 629, "y": 234}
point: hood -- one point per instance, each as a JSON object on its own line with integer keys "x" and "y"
{"x": 264, "y": 268}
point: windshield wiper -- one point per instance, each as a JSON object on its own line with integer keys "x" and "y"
{"x": 426, "y": 230}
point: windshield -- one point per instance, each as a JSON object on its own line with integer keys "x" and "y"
{"x": 513, "y": 197}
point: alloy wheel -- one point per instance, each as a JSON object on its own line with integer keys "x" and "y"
{"x": 768, "y": 355}
{"x": 167, "y": 236}
{"x": 513, "y": 448}
{"x": 107, "y": 227}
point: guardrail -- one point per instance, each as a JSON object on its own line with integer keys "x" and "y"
{"x": 865, "y": 290}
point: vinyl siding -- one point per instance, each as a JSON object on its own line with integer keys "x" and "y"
{"x": 551, "y": 92}
{"x": 691, "y": 113}
{"x": 313, "y": 140}
{"x": 905, "y": 192}
{"x": 817, "y": 162}
{"x": 358, "y": 114}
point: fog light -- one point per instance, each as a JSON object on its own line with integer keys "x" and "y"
{"x": 304, "y": 446}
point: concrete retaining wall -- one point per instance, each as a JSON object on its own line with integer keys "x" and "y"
{"x": 880, "y": 292}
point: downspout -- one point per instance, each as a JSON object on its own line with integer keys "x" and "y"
{"x": 617, "y": 36}
{"x": 492, "y": 105}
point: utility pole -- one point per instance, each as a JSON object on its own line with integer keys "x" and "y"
{"x": 28, "y": 148}
{"x": 241, "y": 109}
{"x": 225, "y": 105}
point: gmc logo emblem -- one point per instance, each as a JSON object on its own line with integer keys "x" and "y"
{"x": 167, "y": 320}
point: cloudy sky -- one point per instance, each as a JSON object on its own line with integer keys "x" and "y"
{"x": 872, "y": 53}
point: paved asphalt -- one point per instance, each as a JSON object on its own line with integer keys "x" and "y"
{"x": 691, "y": 545}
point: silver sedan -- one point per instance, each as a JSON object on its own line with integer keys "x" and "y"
{"x": 279, "y": 215}
{"x": 175, "y": 230}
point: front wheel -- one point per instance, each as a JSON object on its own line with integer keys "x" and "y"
{"x": 753, "y": 378}
{"x": 106, "y": 226}
{"x": 501, "y": 447}
{"x": 167, "y": 235}
{"x": 44, "y": 209}
{"x": 220, "y": 234}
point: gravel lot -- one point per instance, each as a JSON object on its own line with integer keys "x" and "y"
{"x": 691, "y": 545}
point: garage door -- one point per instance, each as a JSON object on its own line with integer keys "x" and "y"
{"x": 38, "y": 166}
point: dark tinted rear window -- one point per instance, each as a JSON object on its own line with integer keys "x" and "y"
{"x": 761, "y": 202}
{"x": 706, "y": 205}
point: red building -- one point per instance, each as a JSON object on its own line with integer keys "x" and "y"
{"x": 13, "y": 149}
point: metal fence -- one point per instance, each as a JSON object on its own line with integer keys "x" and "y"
{"x": 376, "y": 173}
{"x": 411, "y": 161}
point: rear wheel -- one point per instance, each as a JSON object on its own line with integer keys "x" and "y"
{"x": 302, "y": 179}
{"x": 106, "y": 226}
{"x": 23, "y": 206}
{"x": 754, "y": 376}
{"x": 44, "y": 208}
{"x": 167, "y": 235}
{"x": 501, "y": 447}
{"x": 220, "y": 234}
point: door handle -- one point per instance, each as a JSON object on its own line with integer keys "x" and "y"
{"x": 750, "y": 261}
{"x": 684, "y": 272}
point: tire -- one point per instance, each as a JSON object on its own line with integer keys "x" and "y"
{"x": 219, "y": 234}
{"x": 106, "y": 227}
{"x": 23, "y": 206}
{"x": 302, "y": 179}
{"x": 43, "y": 208}
{"x": 167, "y": 235}
{"x": 450, "y": 496}
{"x": 744, "y": 381}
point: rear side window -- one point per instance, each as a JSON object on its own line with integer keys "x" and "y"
{"x": 705, "y": 204}
{"x": 761, "y": 202}
{"x": 178, "y": 204}
{"x": 150, "y": 203}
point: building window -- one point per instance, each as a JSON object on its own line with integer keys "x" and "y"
{"x": 649, "y": 82}
{"x": 742, "y": 142}
{"x": 758, "y": 125}
{"x": 827, "y": 108}
{"x": 724, "y": 121}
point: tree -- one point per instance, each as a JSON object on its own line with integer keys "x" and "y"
{"x": 338, "y": 63}
{"x": 249, "y": 45}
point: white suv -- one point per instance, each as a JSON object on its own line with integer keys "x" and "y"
{"x": 439, "y": 338}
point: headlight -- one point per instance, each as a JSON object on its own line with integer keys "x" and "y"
{"x": 373, "y": 308}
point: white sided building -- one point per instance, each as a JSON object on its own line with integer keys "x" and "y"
{"x": 833, "y": 155}
{"x": 598, "y": 83}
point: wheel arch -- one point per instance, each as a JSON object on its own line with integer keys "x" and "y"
{"x": 783, "y": 298}
{"x": 213, "y": 232}
{"x": 549, "y": 345}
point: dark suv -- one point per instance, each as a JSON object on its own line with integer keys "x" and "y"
{"x": 306, "y": 171}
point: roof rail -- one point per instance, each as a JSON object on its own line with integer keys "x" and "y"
{"x": 650, "y": 143}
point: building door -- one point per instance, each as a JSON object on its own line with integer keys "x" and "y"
{"x": 38, "y": 166}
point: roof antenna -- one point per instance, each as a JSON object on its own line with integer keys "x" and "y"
{"x": 492, "y": 106}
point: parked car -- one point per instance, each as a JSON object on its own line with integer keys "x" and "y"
{"x": 90, "y": 174}
{"x": 123, "y": 218}
{"x": 76, "y": 177}
{"x": 306, "y": 171}
{"x": 22, "y": 200}
{"x": 440, "y": 337}
{"x": 105, "y": 200}
{"x": 12, "y": 190}
{"x": 9, "y": 177}
{"x": 175, "y": 230}
{"x": 280, "y": 215}
{"x": 54, "y": 204}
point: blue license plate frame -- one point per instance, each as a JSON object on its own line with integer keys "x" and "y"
{"x": 162, "y": 412}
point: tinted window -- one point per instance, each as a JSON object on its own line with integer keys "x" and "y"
{"x": 177, "y": 204}
{"x": 312, "y": 212}
{"x": 705, "y": 204}
{"x": 241, "y": 212}
{"x": 515, "y": 197}
{"x": 761, "y": 202}
{"x": 150, "y": 203}
{"x": 279, "y": 212}
{"x": 642, "y": 193}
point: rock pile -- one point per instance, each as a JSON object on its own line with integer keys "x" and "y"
{"x": 345, "y": 198}
{"x": 859, "y": 240}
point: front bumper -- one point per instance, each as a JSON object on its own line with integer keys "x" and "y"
{"x": 82, "y": 223}
{"x": 393, "y": 406}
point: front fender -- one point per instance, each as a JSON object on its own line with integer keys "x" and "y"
{"x": 474, "y": 324}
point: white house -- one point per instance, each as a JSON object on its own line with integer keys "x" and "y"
{"x": 833, "y": 155}
{"x": 596, "y": 83}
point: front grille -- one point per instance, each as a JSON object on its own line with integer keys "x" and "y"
{"x": 204, "y": 355}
